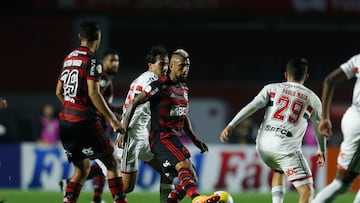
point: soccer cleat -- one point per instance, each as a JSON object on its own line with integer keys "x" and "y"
{"x": 102, "y": 201}
{"x": 214, "y": 198}
{"x": 63, "y": 184}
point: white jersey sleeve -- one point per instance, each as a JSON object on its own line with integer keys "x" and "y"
{"x": 351, "y": 70}
{"x": 141, "y": 116}
{"x": 260, "y": 100}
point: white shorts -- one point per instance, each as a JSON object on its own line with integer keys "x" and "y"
{"x": 349, "y": 155}
{"x": 135, "y": 150}
{"x": 294, "y": 166}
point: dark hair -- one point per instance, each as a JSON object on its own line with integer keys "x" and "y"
{"x": 155, "y": 51}
{"x": 110, "y": 52}
{"x": 297, "y": 67}
{"x": 89, "y": 30}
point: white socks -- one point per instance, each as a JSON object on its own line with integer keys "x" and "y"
{"x": 278, "y": 193}
{"x": 357, "y": 197}
{"x": 331, "y": 191}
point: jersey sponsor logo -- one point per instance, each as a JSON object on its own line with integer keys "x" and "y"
{"x": 283, "y": 132}
{"x": 72, "y": 63}
{"x": 291, "y": 171}
{"x": 93, "y": 67}
{"x": 178, "y": 111}
{"x": 88, "y": 151}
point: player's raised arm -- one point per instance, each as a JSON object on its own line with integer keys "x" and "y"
{"x": 258, "y": 102}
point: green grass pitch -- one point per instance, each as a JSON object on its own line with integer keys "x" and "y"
{"x": 37, "y": 196}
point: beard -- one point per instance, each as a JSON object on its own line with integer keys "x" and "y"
{"x": 183, "y": 79}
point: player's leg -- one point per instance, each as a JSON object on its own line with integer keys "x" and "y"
{"x": 166, "y": 185}
{"x": 172, "y": 152}
{"x": 338, "y": 186}
{"x": 306, "y": 193}
{"x": 348, "y": 160}
{"x": 75, "y": 183}
{"x": 98, "y": 177}
{"x": 105, "y": 150}
{"x": 298, "y": 172}
{"x": 115, "y": 182}
{"x": 187, "y": 180}
{"x": 128, "y": 157}
{"x": 72, "y": 143}
{"x": 278, "y": 187}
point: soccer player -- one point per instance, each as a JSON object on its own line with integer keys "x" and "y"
{"x": 137, "y": 138}
{"x": 110, "y": 66}
{"x": 348, "y": 165}
{"x": 81, "y": 132}
{"x": 168, "y": 98}
{"x": 288, "y": 108}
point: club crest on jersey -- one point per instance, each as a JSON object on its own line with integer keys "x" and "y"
{"x": 102, "y": 83}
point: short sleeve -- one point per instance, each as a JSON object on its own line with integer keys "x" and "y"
{"x": 351, "y": 67}
{"x": 153, "y": 88}
{"x": 93, "y": 70}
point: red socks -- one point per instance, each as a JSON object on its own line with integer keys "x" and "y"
{"x": 72, "y": 192}
{"x": 116, "y": 188}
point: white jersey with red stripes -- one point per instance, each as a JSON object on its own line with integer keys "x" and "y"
{"x": 289, "y": 107}
{"x": 141, "y": 117}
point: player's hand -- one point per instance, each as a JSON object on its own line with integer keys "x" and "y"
{"x": 320, "y": 158}
{"x": 325, "y": 127}
{"x": 117, "y": 126}
{"x": 120, "y": 140}
{"x": 202, "y": 146}
{"x": 226, "y": 133}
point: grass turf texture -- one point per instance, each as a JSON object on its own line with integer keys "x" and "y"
{"x": 36, "y": 196}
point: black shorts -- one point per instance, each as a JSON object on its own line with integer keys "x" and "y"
{"x": 169, "y": 152}
{"x": 85, "y": 139}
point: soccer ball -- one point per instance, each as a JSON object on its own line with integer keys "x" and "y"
{"x": 225, "y": 197}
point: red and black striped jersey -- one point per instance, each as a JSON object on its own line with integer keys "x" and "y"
{"x": 107, "y": 87}
{"x": 169, "y": 106}
{"x": 78, "y": 67}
